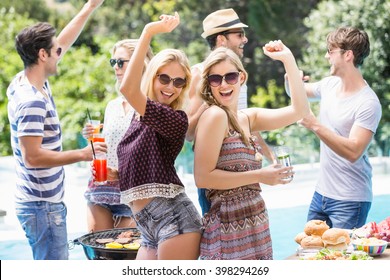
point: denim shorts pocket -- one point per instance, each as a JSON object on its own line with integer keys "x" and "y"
{"x": 160, "y": 208}
{"x": 160, "y": 215}
{"x": 192, "y": 213}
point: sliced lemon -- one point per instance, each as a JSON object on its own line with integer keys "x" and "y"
{"x": 114, "y": 245}
{"x": 132, "y": 246}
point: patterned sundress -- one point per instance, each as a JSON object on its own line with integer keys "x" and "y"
{"x": 237, "y": 225}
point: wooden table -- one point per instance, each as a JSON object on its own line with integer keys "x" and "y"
{"x": 384, "y": 256}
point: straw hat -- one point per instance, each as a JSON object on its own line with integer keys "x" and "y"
{"x": 220, "y": 21}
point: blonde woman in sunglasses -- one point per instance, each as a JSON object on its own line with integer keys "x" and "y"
{"x": 104, "y": 209}
{"x": 227, "y": 161}
{"x": 166, "y": 217}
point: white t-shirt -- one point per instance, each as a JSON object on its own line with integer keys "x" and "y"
{"x": 339, "y": 178}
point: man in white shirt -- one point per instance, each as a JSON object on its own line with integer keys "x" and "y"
{"x": 350, "y": 113}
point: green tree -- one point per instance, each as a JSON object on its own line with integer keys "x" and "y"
{"x": 84, "y": 81}
{"x": 304, "y": 144}
{"x": 10, "y": 24}
{"x": 33, "y": 9}
{"x": 272, "y": 20}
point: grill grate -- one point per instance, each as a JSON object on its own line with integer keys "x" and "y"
{"x": 90, "y": 239}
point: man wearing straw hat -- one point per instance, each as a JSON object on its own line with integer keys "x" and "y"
{"x": 36, "y": 136}
{"x": 222, "y": 28}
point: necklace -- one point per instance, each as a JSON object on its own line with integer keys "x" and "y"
{"x": 258, "y": 155}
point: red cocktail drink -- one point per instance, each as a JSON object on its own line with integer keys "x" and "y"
{"x": 100, "y": 166}
{"x": 98, "y": 138}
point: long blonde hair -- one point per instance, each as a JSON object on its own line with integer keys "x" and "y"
{"x": 217, "y": 56}
{"x": 161, "y": 59}
{"x": 130, "y": 44}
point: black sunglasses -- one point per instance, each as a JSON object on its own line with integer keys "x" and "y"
{"x": 59, "y": 51}
{"x": 120, "y": 62}
{"x": 242, "y": 33}
{"x": 177, "y": 82}
{"x": 215, "y": 80}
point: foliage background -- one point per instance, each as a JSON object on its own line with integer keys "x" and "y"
{"x": 86, "y": 80}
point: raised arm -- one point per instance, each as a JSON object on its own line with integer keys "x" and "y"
{"x": 131, "y": 83}
{"x": 73, "y": 29}
{"x": 309, "y": 87}
{"x": 264, "y": 119}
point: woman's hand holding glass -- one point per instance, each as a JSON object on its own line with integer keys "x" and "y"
{"x": 89, "y": 129}
{"x": 112, "y": 173}
{"x": 276, "y": 174}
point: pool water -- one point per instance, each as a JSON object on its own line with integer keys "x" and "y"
{"x": 285, "y": 224}
{"x": 20, "y": 250}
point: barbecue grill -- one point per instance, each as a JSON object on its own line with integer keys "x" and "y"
{"x": 97, "y": 251}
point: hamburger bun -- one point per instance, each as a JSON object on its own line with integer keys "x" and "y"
{"x": 299, "y": 237}
{"x": 338, "y": 247}
{"x": 335, "y": 236}
{"x": 312, "y": 241}
{"x": 315, "y": 227}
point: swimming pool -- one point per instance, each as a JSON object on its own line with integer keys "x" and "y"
{"x": 285, "y": 224}
{"x": 20, "y": 250}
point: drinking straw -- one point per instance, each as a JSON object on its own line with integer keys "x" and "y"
{"x": 89, "y": 115}
{"x": 93, "y": 150}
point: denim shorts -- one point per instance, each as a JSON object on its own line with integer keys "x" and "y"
{"x": 45, "y": 226}
{"x": 338, "y": 213}
{"x": 117, "y": 210}
{"x": 164, "y": 218}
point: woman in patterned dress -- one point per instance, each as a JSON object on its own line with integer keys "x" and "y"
{"x": 228, "y": 158}
{"x": 166, "y": 217}
{"x": 104, "y": 210}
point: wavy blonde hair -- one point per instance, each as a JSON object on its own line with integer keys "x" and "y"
{"x": 130, "y": 44}
{"x": 161, "y": 59}
{"x": 217, "y": 56}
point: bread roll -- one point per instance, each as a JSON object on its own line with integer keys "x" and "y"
{"x": 299, "y": 237}
{"x": 334, "y": 236}
{"x": 312, "y": 241}
{"x": 338, "y": 247}
{"x": 315, "y": 227}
